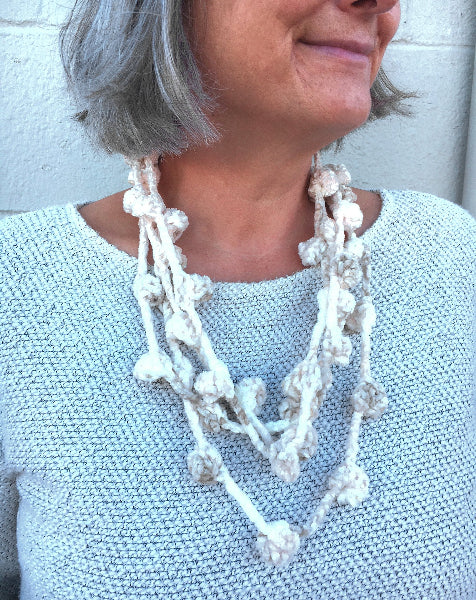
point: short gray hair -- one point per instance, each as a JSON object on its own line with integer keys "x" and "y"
{"x": 132, "y": 73}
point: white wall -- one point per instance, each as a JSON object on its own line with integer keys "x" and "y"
{"x": 469, "y": 189}
{"x": 48, "y": 161}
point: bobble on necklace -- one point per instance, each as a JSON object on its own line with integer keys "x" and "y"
{"x": 370, "y": 399}
{"x": 278, "y": 545}
{"x": 210, "y": 396}
{"x": 350, "y": 483}
{"x": 205, "y": 464}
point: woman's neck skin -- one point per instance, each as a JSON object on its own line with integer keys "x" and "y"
{"x": 247, "y": 211}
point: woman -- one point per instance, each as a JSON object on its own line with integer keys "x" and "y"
{"x": 122, "y": 364}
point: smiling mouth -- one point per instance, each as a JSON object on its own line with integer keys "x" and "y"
{"x": 348, "y": 50}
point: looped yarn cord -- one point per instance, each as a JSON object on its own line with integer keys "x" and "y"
{"x": 344, "y": 263}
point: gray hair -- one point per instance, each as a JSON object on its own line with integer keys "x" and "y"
{"x": 132, "y": 73}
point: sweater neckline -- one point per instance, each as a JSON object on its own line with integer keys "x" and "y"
{"x": 127, "y": 261}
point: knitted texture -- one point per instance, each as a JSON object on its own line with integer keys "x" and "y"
{"x": 96, "y": 500}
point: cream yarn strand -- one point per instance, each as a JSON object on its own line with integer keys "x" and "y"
{"x": 344, "y": 262}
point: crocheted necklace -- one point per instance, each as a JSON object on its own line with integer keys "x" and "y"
{"x": 208, "y": 394}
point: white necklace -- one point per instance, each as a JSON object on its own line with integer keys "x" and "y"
{"x": 288, "y": 441}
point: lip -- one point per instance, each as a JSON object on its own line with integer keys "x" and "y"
{"x": 354, "y": 46}
{"x": 354, "y": 50}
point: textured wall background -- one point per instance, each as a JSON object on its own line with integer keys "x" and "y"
{"x": 48, "y": 160}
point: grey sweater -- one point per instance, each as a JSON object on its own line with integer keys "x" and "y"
{"x": 95, "y": 498}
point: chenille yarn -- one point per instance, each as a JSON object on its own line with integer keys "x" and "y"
{"x": 343, "y": 264}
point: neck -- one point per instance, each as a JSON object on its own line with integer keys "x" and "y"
{"x": 247, "y": 213}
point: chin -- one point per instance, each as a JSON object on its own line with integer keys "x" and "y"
{"x": 331, "y": 129}
{"x": 349, "y": 114}
{"x": 350, "y": 122}
{"x": 337, "y": 111}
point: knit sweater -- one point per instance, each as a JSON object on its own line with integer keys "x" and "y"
{"x": 96, "y": 502}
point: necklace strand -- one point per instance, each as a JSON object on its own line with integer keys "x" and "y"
{"x": 207, "y": 395}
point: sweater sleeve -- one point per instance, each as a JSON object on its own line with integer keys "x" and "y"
{"x": 9, "y": 567}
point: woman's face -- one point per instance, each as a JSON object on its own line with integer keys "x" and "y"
{"x": 305, "y": 64}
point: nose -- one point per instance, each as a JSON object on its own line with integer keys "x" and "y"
{"x": 370, "y": 6}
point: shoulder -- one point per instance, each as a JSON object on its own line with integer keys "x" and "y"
{"x": 34, "y": 247}
{"x": 34, "y": 233}
{"x": 33, "y": 239}
{"x": 428, "y": 215}
{"x": 424, "y": 248}
{"x": 424, "y": 225}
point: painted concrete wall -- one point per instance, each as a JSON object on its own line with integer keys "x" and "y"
{"x": 47, "y": 160}
{"x": 469, "y": 189}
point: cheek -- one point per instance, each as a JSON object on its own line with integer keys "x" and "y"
{"x": 241, "y": 53}
{"x": 392, "y": 21}
{"x": 388, "y": 25}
